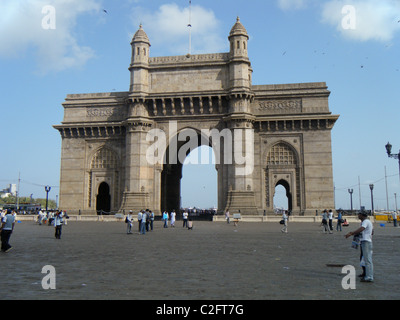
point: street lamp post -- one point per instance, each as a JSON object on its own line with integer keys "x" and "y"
{"x": 391, "y": 155}
{"x": 351, "y": 199}
{"x": 371, "y": 186}
{"x": 47, "y": 189}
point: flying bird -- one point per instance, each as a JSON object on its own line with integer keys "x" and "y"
{"x": 105, "y": 11}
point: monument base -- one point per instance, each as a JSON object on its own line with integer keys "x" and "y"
{"x": 134, "y": 201}
{"x": 242, "y": 202}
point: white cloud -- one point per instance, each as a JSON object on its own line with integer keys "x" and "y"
{"x": 292, "y": 4}
{"x": 22, "y": 32}
{"x": 374, "y": 19}
{"x": 167, "y": 28}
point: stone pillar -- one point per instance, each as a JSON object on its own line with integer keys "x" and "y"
{"x": 240, "y": 196}
{"x": 139, "y": 173}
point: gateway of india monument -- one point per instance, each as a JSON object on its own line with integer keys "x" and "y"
{"x": 269, "y": 135}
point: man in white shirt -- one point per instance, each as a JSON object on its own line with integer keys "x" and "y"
{"x": 6, "y": 229}
{"x": 330, "y": 220}
{"x": 128, "y": 221}
{"x": 394, "y": 217}
{"x": 40, "y": 217}
{"x": 58, "y": 222}
{"x": 285, "y": 222}
{"x": 185, "y": 218}
{"x": 143, "y": 224}
{"x": 365, "y": 231}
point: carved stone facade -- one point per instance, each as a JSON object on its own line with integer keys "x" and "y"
{"x": 105, "y": 136}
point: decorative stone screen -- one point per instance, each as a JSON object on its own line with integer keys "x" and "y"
{"x": 104, "y": 159}
{"x": 281, "y": 154}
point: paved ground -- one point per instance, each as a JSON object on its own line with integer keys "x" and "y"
{"x": 214, "y": 261}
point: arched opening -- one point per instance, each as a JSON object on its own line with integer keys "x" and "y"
{"x": 199, "y": 187}
{"x": 104, "y": 166}
{"x": 199, "y": 179}
{"x": 103, "y": 198}
{"x": 282, "y": 197}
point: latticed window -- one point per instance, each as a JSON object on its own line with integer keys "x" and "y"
{"x": 104, "y": 159}
{"x": 281, "y": 154}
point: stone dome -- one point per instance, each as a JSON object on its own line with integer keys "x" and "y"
{"x": 238, "y": 29}
{"x": 141, "y": 36}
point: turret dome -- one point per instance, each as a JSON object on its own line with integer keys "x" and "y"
{"x": 141, "y": 36}
{"x": 238, "y": 29}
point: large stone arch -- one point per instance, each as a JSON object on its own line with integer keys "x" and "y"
{"x": 175, "y": 154}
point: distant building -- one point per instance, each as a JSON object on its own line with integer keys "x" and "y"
{"x": 10, "y": 191}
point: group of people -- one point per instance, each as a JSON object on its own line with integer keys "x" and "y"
{"x": 327, "y": 221}
{"x": 187, "y": 222}
{"x": 362, "y": 237}
{"x": 145, "y": 220}
{"x": 55, "y": 218}
{"x": 48, "y": 217}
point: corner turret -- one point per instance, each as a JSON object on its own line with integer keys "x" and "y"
{"x": 240, "y": 67}
{"x": 238, "y": 39}
{"x": 139, "y": 62}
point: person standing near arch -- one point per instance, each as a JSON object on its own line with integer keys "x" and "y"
{"x": 129, "y": 222}
{"x": 227, "y": 216}
{"x": 365, "y": 231}
{"x": 330, "y": 219}
{"x": 165, "y": 218}
{"x": 173, "y": 216}
{"x": 185, "y": 218}
{"x": 58, "y": 222}
{"x": 285, "y": 218}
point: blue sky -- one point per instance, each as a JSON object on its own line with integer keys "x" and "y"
{"x": 291, "y": 41}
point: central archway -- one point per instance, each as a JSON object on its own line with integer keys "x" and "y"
{"x": 172, "y": 172}
{"x": 199, "y": 179}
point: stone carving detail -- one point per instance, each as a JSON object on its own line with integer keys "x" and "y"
{"x": 104, "y": 112}
{"x": 280, "y": 106}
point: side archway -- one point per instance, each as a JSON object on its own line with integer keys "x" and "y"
{"x": 283, "y": 168}
{"x": 103, "y": 198}
{"x": 104, "y": 181}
